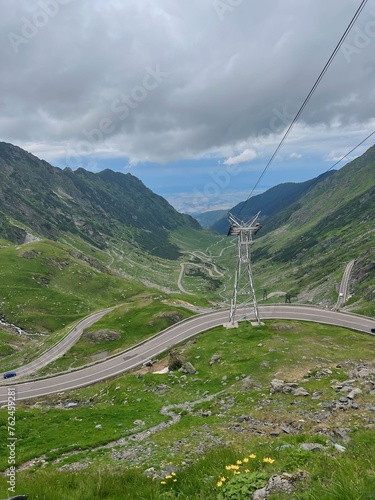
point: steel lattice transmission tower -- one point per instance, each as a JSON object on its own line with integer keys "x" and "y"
{"x": 243, "y": 291}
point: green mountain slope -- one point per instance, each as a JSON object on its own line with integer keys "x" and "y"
{"x": 96, "y": 207}
{"x": 270, "y": 202}
{"x": 208, "y": 219}
{"x": 46, "y": 285}
{"x": 312, "y": 240}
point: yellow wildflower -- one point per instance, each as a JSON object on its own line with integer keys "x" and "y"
{"x": 239, "y": 462}
{"x": 163, "y": 482}
{"x": 268, "y": 460}
{"x": 236, "y": 472}
{"x": 252, "y": 456}
{"x": 175, "y": 480}
{"x": 228, "y": 467}
{"x": 219, "y": 483}
{"x": 235, "y": 467}
{"x": 173, "y": 473}
{"x": 245, "y": 460}
{"x": 168, "y": 477}
{"x": 247, "y": 470}
{"x": 223, "y": 478}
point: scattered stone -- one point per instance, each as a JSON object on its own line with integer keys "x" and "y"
{"x": 224, "y": 378}
{"x": 162, "y": 388}
{"x": 312, "y": 446}
{"x": 327, "y": 405}
{"x": 206, "y": 413}
{"x": 102, "y": 336}
{"x": 248, "y": 383}
{"x": 214, "y": 358}
{"x": 274, "y": 433}
{"x": 138, "y": 422}
{"x": 29, "y": 254}
{"x": 353, "y": 393}
{"x": 284, "y": 446}
{"x": 278, "y": 385}
{"x": 342, "y": 434}
{"x": 151, "y": 472}
{"x": 346, "y": 389}
{"x": 361, "y": 372}
{"x": 339, "y": 448}
{"x": 300, "y": 391}
{"x": 337, "y": 386}
{"x": 99, "y": 427}
{"x": 242, "y": 418}
{"x": 317, "y": 394}
{"x": 285, "y": 483}
{"x": 170, "y": 468}
{"x": 349, "y": 382}
{"x": 188, "y": 368}
{"x": 285, "y": 429}
{"x": 321, "y": 373}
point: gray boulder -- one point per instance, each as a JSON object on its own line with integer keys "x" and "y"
{"x": 300, "y": 391}
{"x": 214, "y": 358}
{"x": 312, "y": 446}
{"x": 188, "y": 368}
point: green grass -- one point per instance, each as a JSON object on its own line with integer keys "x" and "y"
{"x": 44, "y": 286}
{"x": 291, "y": 350}
{"x": 330, "y": 476}
{"x": 144, "y": 316}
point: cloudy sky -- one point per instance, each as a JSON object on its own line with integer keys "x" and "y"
{"x": 191, "y": 96}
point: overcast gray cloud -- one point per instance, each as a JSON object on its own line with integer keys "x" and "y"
{"x": 163, "y": 80}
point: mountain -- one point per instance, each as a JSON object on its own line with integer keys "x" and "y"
{"x": 98, "y": 207}
{"x": 311, "y": 240}
{"x": 270, "y": 202}
{"x": 208, "y": 219}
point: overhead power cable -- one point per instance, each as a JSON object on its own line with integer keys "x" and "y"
{"x": 351, "y": 151}
{"x": 327, "y": 65}
{"x": 316, "y": 180}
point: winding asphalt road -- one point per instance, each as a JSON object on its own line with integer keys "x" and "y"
{"x": 170, "y": 337}
{"x": 63, "y": 346}
{"x": 344, "y": 286}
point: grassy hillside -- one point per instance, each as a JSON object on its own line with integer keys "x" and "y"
{"x": 309, "y": 244}
{"x": 46, "y": 285}
{"x": 105, "y": 439}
